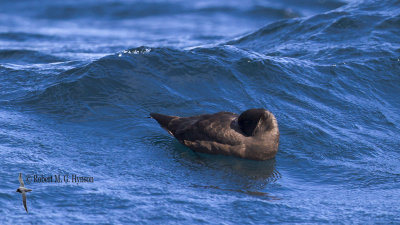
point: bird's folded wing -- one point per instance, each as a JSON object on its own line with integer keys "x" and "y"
{"x": 207, "y": 128}
{"x": 219, "y": 131}
{"x": 213, "y": 147}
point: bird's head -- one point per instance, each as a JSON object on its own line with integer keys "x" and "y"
{"x": 254, "y": 122}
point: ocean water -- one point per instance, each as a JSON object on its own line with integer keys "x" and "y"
{"x": 79, "y": 78}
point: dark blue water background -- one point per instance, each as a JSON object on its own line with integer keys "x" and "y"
{"x": 79, "y": 78}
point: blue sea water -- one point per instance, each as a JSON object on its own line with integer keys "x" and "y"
{"x": 79, "y": 78}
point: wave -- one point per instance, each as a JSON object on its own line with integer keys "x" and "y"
{"x": 24, "y": 36}
{"x": 232, "y": 72}
{"x": 116, "y": 10}
{"x": 136, "y": 77}
{"x": 17, "y": 56}
{"x": 335, "y": 33}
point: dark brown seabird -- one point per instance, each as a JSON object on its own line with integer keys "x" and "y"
{"x": 254, "y": 134}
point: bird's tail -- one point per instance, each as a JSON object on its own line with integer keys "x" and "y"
{"x": 163, "y": 120}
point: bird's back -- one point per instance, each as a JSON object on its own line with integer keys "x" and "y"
{"x": 217, "y": 127}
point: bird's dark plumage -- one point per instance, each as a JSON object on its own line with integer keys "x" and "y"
{"x": 22, "y": 189}
{"x": 254, "y": 134}
{"x": 163, "y": 120}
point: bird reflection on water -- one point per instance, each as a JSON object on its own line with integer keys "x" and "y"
{"x": 225, "y": 173}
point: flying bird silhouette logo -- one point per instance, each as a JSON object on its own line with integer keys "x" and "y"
{"x": 22, "y": 189}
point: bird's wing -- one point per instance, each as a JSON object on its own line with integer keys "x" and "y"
{"x": 24, "y": 200}
{"x": 216, "y": 128}
{"x": 20, "y": 180}
{"x": 216, "y": 148}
